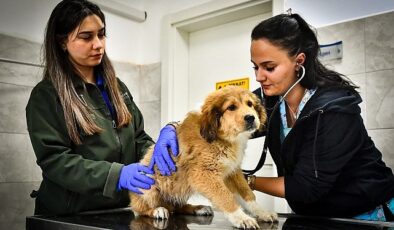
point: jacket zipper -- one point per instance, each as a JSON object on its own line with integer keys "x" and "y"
{"x": 118, "y": 140}
{"x": 116, "y": 134}
{"x": 113, "y": 127}
{"x": 321, "y": 111}
{"x": 314, "y": 143}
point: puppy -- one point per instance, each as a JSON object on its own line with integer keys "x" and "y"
{"x": 211, "y": 148}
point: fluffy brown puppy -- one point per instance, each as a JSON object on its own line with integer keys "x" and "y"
{"x": 211, "y": 148}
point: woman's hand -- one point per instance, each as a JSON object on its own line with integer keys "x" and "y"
{"x": 161, "y": 155}
{"x": 133, "y": 177}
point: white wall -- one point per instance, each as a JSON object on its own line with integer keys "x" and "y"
{"x": 27, "y": 19}
{"x": 319, "y": 13}
{"x": 140, "y": 42}
{"x": 127, "y": 40}
{"x": 156, "y": 9}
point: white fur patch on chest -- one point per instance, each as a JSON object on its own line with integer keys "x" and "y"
{"x": 233, "y": 159}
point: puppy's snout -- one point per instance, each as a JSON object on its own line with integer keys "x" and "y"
{"x": 249, "y": 119}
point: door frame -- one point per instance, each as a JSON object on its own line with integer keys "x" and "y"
{"x": 176, "y": 29}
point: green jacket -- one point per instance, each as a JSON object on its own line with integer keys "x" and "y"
{"x": 83, "y": 177}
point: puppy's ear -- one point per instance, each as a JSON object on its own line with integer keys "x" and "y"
{"x": 260, "y": 111}
{"x": 209, "y": 123}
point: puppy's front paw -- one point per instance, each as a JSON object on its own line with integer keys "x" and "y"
{"x": 240, "y": 220}
{"x": 161, "y": 213}
{"x": 262, "y": 215}
{"x": 204, "y": 211}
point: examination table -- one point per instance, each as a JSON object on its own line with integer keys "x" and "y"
{"x": 123, "y": 219}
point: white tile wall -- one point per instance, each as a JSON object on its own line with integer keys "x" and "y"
{"x": 383, "y": 139}
{"x": 13, "y": 100}
{"x": 130, "y": 74}
{"x": 380, "y": 99}
{"x": 352, "y": 36}
{"x": 379, "y": 42}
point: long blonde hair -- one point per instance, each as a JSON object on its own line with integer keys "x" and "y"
{"x": 66, "y": 16}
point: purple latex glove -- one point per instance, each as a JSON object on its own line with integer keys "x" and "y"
{"x": 161, "y": 156}
{"x": 132, "y": 177}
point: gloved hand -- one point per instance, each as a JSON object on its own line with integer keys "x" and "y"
{"x": 132, "y": 177}
{"x": 161, "y": 156}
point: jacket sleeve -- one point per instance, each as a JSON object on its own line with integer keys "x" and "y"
{"x": 339, "y": 138}
{"x": 54, "y": 149}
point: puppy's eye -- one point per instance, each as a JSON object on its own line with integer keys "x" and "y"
{"x": 250, "y": 104}
{"x": 232, "y": 107}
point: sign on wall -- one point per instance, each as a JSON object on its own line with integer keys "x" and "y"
{"x": 242, "y": 82}
{"x": 331, "y": 51}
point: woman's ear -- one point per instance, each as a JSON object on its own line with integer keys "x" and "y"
{"x": 300, "y": 59}
{"x": 62, "y": 43}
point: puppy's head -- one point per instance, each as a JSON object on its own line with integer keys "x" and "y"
{"x": 230, "y": 111}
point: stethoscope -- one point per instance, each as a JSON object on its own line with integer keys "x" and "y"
{"x": 264, "y": 153}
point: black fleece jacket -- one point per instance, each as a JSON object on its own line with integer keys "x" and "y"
{"x": 330, "y": 165}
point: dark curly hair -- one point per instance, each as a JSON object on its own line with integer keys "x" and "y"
{"x": 293, "y": 34}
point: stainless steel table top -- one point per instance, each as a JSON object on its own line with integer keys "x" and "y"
{"x": 121, "y": 219}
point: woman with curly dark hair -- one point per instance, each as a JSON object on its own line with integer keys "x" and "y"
{"x": 327, "y": 164}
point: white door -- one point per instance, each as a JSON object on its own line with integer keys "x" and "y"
{"x": 222, "y": 53}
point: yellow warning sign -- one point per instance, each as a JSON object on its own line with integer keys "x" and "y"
{"x": 242, "y": 82}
